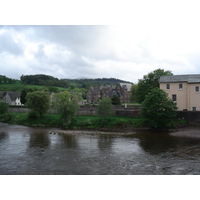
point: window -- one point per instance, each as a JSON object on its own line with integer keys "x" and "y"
{"x": 197, "y": 89}
{"x": 180, "y": 86}
{"x": 174, "y": 97}
{"x": 194, "y": 109}
{"x": 168, "y": 86}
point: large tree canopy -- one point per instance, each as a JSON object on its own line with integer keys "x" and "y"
{"x": 105, "y": 108}
{"x": 150, "y": 81}
{"x": 67, "y": 105}
{"x": 158, "y": 109}
{"x": 38, "y": 101}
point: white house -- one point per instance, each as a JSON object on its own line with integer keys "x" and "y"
{"x": 12, "y": 98}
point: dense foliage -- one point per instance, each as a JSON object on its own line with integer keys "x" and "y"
{"x": 150, "y": 81}
{"x": 85, "y": 83}
{"x": 3, "y": 107}
{"x": 116, "y": 100}
{"x": 134, "y": 93}
{"x": 45, "y": 80}
{"x": 38, "y": 101}
{"x": 6, "y": 80}
{"x": 67, "y": 106}
{"x": 158, "y": 109}
{"x": 105, "y": 107}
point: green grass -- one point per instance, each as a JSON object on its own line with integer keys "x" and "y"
{"x": 48, "y": 120}
{"x": 81, "y": 122}
{"x": 19, "y": 87}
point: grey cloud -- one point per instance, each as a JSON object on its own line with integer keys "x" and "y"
{"x": 92, "y": 41}
{"x": 7, "y": 44}
{"x": 40, "y": 52}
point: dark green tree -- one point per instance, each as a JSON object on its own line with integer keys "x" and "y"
{"x": 105, "y": 110}
{"x": 23, "y": 96}
{"x": 150, "y": 81}
{"x": 158, "y": 109}
{"x": 3, "y": 107}
{"x": 134, "y": 92}
{"x": 105, "y": 107}
{"x": 38, "y": 101}
{"x": 115, "y": 100}
{"x": 67, "y": 105}
{"x": 53, "y": 89}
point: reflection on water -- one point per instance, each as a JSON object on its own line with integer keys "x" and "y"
{"x": 25, "y": 150}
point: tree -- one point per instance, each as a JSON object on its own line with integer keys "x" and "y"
{"x": 158, "y": 109}
{"x": 67, "y": 106}
{"x": 3, "y": 107}
{"x": 38, "y": 101}
{"x": 53, "y": 89}
{"x": 134, "y": 92}
{"x": 115, "y": 100}
{"x": 105, "y": 107}
{"x": 149, "y": 82}
{"x": 23, "y": 96}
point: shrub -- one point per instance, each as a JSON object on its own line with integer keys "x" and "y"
{"x": 38, "y": 101}
{"x": 158, "y": 109}
{"x": 33, "y": 115}
{"x": 3, "y": 107}
{"x": 105, "y": 108}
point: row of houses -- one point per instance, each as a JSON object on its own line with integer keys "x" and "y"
{"x": 94, "y": 94}
{"x": 182, "y": 89}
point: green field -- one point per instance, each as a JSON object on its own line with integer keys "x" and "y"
{"x": 20, "y": 87}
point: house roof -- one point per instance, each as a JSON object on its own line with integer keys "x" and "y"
{"x": 191, "y": 78}
{"x": 13, "y": 95}
{"x": 114, "y": 93}
{"x": 126, "y": 86}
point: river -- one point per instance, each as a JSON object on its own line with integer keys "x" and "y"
{"x": 38, "y": 151}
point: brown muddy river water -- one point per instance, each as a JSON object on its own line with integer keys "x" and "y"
{"x": 26, "y": 150}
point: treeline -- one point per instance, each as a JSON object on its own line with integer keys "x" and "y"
{"x": 6, "y": 80}
{"x": 96, "y": 81}
{"x": 43, "y": 80}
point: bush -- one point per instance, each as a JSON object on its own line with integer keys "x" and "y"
{"x": 38, "y": 101}
{"x": 33, "y": 115}
{"x": 3, "y": 107}
{"x": 158, "y": 109}
{"x": 105, "y": 108}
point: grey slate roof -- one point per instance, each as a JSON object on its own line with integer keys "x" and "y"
{"x": 191, "y": 78}
{"x": 126, "y": 86}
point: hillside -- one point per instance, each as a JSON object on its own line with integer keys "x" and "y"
{"x": 49, "y": 83}
{"x": 96, "y": 81}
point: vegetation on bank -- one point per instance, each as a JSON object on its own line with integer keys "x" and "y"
{"x": 79, "y": 122}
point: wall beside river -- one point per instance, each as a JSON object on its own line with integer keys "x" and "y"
{"x": 191, "y": 116}
{"x": 131, "y": 111}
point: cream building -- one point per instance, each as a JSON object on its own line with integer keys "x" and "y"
{"x": 183, "y": 89}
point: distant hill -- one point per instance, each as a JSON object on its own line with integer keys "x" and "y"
{"x": 42, "y": 79}
{"x": 96, "y": 81}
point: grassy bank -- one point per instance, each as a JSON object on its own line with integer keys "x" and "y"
{"x": 80, "y": 122}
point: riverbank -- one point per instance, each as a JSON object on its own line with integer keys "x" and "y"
{"x": 189, "y": 132}
{"x": 110, "y": 124}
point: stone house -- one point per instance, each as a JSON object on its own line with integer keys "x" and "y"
{"x": 122, "y": 90}
{"x": 183, "y": 89}
{"x": 12, "y": 98}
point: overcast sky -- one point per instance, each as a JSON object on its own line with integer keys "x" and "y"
{"x": 143, "y": 37}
